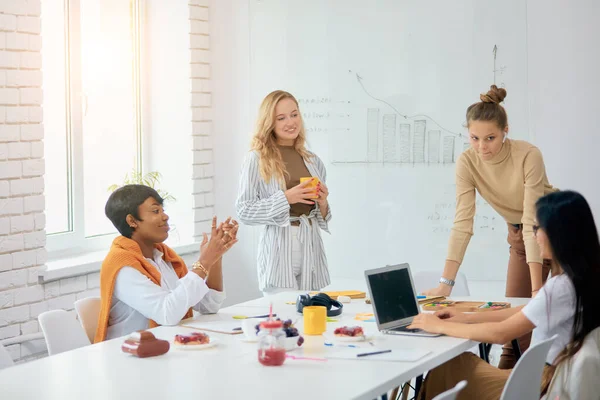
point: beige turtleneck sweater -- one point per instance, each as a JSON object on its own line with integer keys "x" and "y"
{"x": 511, "y": 182}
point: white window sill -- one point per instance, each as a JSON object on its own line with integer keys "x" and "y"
{"x": 84, "y": 264}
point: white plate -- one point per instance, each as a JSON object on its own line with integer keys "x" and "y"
{"x": 249, "y": 339}
{"x": 213, "y": 342}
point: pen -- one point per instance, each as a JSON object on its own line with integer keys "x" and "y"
{"x": 373, "y": 353}
{"x": 347, "y": 345}
{"x": 253, "y": 317}
{"x": 421, "y": 297}
{"x": 262, "y": 316}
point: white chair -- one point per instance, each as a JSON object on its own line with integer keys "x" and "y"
{"x": 452, "y": 393}
{"x": 62, "y": 331}
{"x": 5, "y": 358}
{"x": 425, "y": 280}
{"x": 577, "y": 378}
{"x": 525, "y": 379}
{"x": 88, "y": 310}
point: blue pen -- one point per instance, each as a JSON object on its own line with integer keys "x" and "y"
{"x": 421, "y": 297}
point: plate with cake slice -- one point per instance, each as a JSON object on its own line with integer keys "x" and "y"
{"x": 194, "y": 341}
{"x": 349, "y": 334}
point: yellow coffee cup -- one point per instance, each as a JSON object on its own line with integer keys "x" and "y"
{"x": 315, "y": 320}
{"x": 314, "y": 182}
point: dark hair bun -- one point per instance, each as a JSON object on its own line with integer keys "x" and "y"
{"x": 494, "y": 95}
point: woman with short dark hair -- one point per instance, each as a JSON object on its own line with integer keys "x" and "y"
{"x": 143, "y": 282}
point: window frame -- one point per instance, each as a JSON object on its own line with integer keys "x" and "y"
{"x": 74, "y": 241}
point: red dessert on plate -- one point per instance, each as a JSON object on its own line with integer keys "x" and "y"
{"x": 193, "y": 339}
{"x": 349, "y": 331}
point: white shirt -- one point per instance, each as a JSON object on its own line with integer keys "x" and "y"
{"x": 577, "y": 379}
{"x": 136, "y": 299}
{"x": 552, "y": 311}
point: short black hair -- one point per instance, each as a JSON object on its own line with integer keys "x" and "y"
{"x": 127, "y": 200}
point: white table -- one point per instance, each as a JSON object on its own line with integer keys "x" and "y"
{"x": 230, "y": 369}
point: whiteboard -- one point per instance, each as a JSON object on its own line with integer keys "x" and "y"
{"x": 383, "y": 87}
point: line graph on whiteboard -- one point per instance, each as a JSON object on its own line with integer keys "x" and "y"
{"x": 395, "y": 138}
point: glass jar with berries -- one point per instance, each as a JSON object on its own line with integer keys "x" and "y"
{"x": 271, "y": 345}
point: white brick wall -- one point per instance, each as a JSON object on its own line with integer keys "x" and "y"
{"x": 22, "y": 202}
{"x": 202, "y": 115}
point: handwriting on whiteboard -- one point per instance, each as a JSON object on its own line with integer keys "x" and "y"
{"x": 442, "y": 217}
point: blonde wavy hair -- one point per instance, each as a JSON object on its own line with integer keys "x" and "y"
{"x": 264, "y": 142}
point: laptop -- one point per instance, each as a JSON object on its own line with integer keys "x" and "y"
{"x": 394, "y": 300}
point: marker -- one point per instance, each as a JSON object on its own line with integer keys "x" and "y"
{"x": 421, "y": 297}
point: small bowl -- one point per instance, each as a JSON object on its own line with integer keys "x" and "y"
{"x": 291, "y": 343}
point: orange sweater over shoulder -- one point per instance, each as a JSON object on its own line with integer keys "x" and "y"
{"x": 126, "y": 252}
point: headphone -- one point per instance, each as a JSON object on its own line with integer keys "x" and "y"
{"x": 320, "y": 299}
{"x": 504, "y": 139}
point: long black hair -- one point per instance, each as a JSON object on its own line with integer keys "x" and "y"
{"x": 567, "y": 220}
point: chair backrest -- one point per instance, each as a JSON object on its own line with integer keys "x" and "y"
{"x": 429, "y": 279}
{"x": 5, "y": 358}
{"x": 526, "y": 377}
{"x": 88, "y": 310}
{"x": 452, "y": 393}
{"x": 577, "y": 378}
{"x": 62, "y": 331}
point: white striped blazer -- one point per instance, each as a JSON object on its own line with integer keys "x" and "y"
{"x": 262, "y": 203}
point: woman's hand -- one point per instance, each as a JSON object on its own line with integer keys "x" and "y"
{"x": 452, "y": 315}
{"x": 300, "y": 194}
{"x": 323, "y": 193}
{"x": 428, "y": 323}
{"x": 441, "y": 290}
{"x": 211, "y": 250}
{"x": 230, "y": 229}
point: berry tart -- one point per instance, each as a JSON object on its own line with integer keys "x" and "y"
{"x": 193, "y": 339}
{"x": 349, "y": 331}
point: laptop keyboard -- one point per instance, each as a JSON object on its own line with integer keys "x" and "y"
{"x": 405, "y": 329}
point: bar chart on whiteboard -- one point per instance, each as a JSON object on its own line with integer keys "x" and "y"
{"x": 391, "y": 141}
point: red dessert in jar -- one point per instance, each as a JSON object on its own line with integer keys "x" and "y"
{"x": 271, "y": 346}
{"x": 271, "y": 357}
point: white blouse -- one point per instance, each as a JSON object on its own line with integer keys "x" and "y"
{"x": 136, "y": 299}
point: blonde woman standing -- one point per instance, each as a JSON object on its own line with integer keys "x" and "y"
{"x": 291, "y": 253}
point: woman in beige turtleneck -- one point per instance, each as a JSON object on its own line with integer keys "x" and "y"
{"x": 510, "y": 175}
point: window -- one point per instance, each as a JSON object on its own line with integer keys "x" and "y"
{"x": 92, "y": 114}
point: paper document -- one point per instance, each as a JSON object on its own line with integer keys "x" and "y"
{"x": 349, "y": 353}
{"x": 229, "y": 327}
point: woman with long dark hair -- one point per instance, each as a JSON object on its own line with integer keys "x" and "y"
{"x": 566, "y": 305}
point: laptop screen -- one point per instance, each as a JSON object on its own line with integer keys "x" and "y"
{"x": 393, "y": 295}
